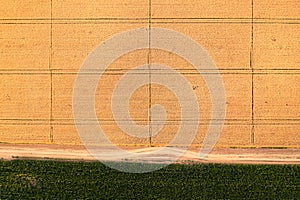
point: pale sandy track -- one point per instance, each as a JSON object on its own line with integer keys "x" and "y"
{"x": 220, "y": 155}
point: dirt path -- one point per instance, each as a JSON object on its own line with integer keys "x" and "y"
{"x": 221, "y": 155}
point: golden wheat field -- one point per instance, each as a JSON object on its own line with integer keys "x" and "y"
{"x": 253, "y": 43}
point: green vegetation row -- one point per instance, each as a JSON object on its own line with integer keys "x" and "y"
{"x": 28, "y": 179}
